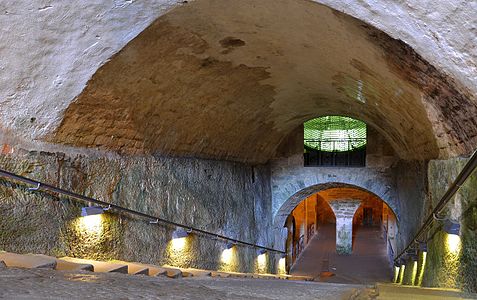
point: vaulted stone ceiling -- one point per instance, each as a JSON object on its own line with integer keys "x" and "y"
{"x": 231, "y": 79}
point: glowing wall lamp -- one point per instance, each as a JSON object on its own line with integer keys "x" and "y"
{"x": 92, "y": 219}
{"x": 262, "y": 261}
{"x": 91, "y": 211}
{"x": 282, "y": 269}
{"x": 179, "y": 236}
{"x": 396, "y": 273}
{"x": 262, "y": 257}
{"x": 451, "y": 227}
{"x": 227, "y": 256}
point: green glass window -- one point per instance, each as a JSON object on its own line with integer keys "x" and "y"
{"x": 335, "y": 134}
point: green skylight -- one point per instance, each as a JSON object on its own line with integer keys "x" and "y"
{"x": 335, "y": 134}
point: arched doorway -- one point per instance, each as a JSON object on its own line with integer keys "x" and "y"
{"x": 344, "y": 232}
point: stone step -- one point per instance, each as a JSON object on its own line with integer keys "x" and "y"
{"x": 239, "y": 275}
{"x": 63, "y": 265}
{"x": 266, "y": 276}
{"x": 220, "y": 274}
{"x": 29, "y": 261}
{"x": 195, "y": 273}
{"x": 134, "y": 268}
{"x": 156, "y": 270}
{"x": 173, "y": 272}
{"x": 297, "y": 278}
{"x": 100, "y": 266}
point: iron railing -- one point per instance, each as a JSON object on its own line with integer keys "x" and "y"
{"x": 40, "y": 186}
{"x": 468, "y": 169}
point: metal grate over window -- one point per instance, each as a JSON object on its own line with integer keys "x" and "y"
{"x": 335, "y": 134}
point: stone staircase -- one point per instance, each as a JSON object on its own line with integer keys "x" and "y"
{"x": 33, "y": 261}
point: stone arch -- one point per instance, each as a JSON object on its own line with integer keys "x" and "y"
{"x": 288, "y": 206}
{"x": 269, "y": 84}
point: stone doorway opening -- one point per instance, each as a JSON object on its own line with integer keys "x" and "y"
{"x": 341, "y": 234}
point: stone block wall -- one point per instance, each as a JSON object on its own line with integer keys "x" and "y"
{"x": 401, "y": 184}
{"x": 452, "y": 260}
{"x": 226, "y": 198}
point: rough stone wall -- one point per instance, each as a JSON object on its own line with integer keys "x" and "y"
{"x": 231, "y": 199}
{"x": 451, "y": 261}
{"x": 411, "y": 185}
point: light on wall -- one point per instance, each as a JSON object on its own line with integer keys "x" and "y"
{"x": 228, "y": 253}
{"x": 92, "y": 224}
{"x": 91, "y": 219}
{"x": 452, "y": 243}
{"x": 401, "y": 273}
{"x": 282, "y": 265}
{"x": 179, "y": 239}
{"x": 396, "y": 274}
{"x": 452, "y": 239}
{"x": 423, "y": 267}
{"x": 262, "y": 261}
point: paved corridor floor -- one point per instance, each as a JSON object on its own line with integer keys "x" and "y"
{"x": 367, "y": 264}
{"x": 38, "y": 284}
{"x": 50, "y": 284}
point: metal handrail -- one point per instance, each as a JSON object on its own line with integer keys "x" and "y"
{"x": 468, "y": 169}
{"x": 40, "y": 186}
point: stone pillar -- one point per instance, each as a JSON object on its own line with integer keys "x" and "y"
{"x": 344, "y": 211}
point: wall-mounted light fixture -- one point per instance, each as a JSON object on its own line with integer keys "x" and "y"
{"x": 91, "y": 221}
{"x": 180, "y": 233}
{"x": 451, "y": 227}
{"x": 422, "y": 246}
{"x": 229, "y": 245}
{"x": 262, "y": 261}
{"x": 91, "y": 211}
{"x": 179, "y": 240}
